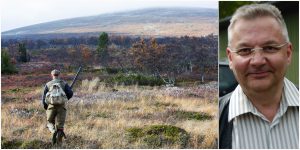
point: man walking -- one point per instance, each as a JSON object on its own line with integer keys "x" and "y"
{"x": 56, "y": 93}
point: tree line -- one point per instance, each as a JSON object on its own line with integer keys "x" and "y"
{"x": 165, "y": 57}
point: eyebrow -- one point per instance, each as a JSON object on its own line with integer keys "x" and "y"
{"x": 270, "y": 42}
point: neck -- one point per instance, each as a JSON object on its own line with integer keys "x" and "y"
{"x": 266, "y": 102}
{"x": 54, "y": 77}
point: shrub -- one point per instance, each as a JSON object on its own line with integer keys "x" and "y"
{"x": 160, "y": 104}
{"x": 134, "y": 133}
{"x": 19, "y": 130}
{"x": 34, "y": 144}
{"x": 6, "y": 144}
{"x": 113, "y": 70}
{"x": 90, "y": 86}
{"x": 132, "y": 79}
{"x": 17, "y": 144}
{"x": 98, "y": 115}
{"x": 158, "y": 136}
{"x": 6, "y": 66}
{"x": 132, "y": 108}
{"x": 193, "y": 115}
{"x": 97, "y": 71}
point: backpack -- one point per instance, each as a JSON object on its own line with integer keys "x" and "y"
{"x": 56, "y": 95}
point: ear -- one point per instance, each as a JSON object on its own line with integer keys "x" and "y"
{"x": 289, "y": 53}
{"x": 229, "y": 56}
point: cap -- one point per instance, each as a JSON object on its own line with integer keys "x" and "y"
{"x": 55, "y": 72}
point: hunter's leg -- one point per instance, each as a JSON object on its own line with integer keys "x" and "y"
{"x": 51, "y": 114}
{"x": 61, "y": 117}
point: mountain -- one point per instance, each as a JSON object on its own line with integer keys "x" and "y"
{"x": 148, "y": 22}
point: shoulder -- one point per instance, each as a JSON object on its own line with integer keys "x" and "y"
{"x": 48, "y": 84}
{"x": 223, "y": 101}
{"x": 291, "y": 93}
{"x": 60, "y": 81}
{"x": 290, "y": 86}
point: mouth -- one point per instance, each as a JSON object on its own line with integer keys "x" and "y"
{"x": 259, "y": 74}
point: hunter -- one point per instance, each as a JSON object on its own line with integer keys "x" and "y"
{"x": 56, "y": 93}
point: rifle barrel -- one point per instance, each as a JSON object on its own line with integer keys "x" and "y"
{"x": 75, "y": 77}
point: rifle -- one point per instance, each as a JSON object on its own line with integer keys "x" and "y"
{"x": 75, "y": 77}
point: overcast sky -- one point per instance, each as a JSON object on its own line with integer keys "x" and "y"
{"x": 19, "y": 13}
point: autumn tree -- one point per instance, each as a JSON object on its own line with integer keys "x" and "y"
{"x": 75, "y": 55}
{"x": 151, "y": 57}
{"x": 206, "y": 56}
{"x": 86, "y": 54}
{"x": 119, "y": 57}
{"x": 138, "y": 52}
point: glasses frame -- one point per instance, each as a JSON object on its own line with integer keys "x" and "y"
{"x": 259, "y": 48}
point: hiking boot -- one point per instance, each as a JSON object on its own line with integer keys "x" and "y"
{"x": 51, "y": 127}
{"x": 60, "y": 136}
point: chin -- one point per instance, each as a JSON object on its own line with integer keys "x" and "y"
{"x": 259, "y": 85}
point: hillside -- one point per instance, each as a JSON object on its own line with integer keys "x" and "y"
{"x": 148, "y": 22}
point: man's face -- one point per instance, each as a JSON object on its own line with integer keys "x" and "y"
{"x": 259, "y": 71}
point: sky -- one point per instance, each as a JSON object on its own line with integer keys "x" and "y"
{"x": 19, "y": 13}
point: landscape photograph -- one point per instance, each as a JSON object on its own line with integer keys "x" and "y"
{"x": 147, "y": 73}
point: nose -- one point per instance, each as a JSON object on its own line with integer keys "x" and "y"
{"x": 258, "y": 58}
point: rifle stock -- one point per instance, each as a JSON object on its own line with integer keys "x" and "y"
{"x": 75, "y": 78}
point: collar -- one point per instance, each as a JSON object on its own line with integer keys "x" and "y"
{"x": 56, "y": 79}
{"x": 240, "y": 104}
{"x": 291, "y": 93}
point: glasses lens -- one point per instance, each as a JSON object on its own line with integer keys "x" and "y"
{"x": 270, "y": 49}
{"x": 244, "y": 51}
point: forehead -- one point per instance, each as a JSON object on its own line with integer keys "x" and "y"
{"x": 256, "y": 31}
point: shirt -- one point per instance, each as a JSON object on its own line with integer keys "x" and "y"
{"x": 251, "y": 129}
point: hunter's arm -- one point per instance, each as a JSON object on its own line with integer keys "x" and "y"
{"x": 44, "y": 97}
{"x": 68, "y": 91}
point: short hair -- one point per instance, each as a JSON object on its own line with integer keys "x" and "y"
{"x": 253, "y": 11}
{"x": 55, "y": 72}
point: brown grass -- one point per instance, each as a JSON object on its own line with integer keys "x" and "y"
{"x": 95, "y": 122}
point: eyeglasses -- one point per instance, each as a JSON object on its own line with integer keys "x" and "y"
{"x": 245, "y": 51}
